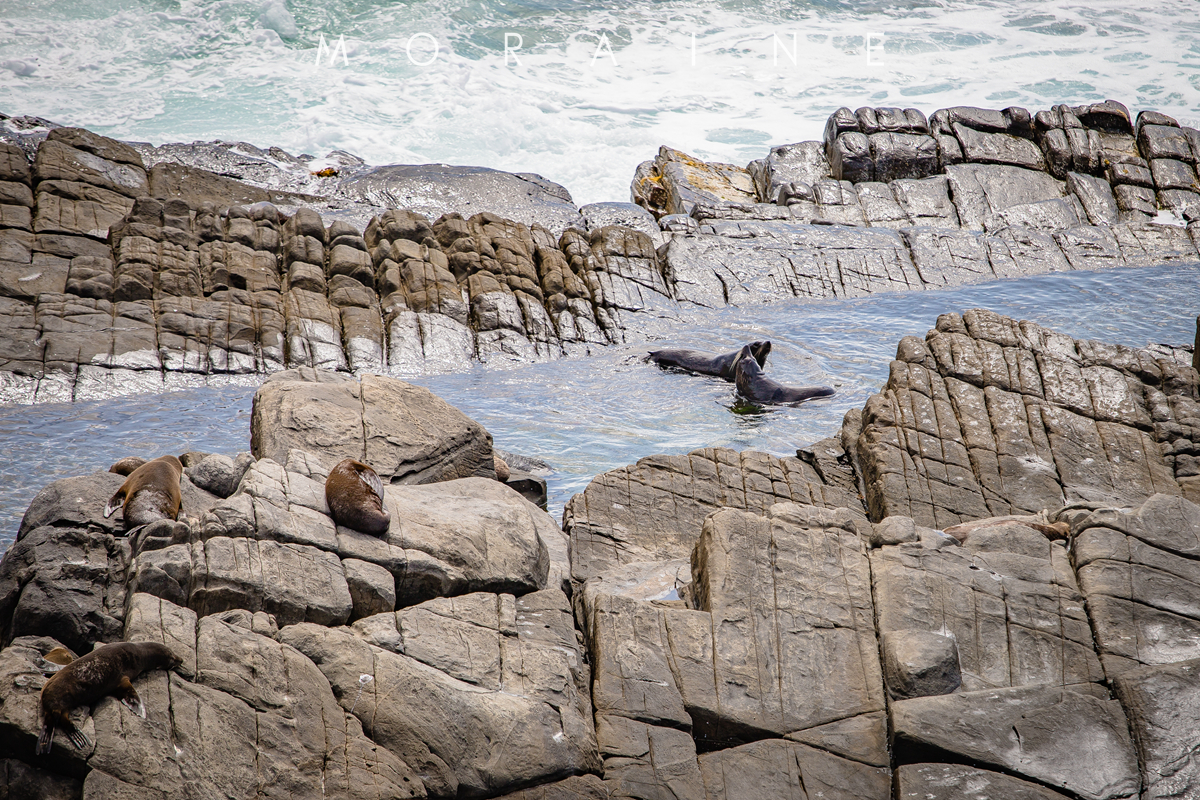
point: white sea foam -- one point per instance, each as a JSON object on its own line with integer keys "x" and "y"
{"x": 560, "y": 106}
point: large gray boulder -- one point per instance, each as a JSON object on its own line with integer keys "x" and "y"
{"x": 404, "y": 432}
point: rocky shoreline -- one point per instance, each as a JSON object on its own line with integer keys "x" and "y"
{"x": 128, "y": 267}
{"x": 983, "y": 585}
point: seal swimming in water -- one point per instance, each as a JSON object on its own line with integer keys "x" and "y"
{"x": 702, "y": 363}
{"x": 354, "y": 493}
{"x": 109, "y": 669}
{"x": 753, "y": 384}
{"x": 151, "y": 492}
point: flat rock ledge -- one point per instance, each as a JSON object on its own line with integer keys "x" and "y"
{"x": 131, "y": 268}
{"x": 984, "y": 585}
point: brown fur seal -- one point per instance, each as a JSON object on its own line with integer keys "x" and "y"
{"x": 151, "y": 492}
{"x": 107, "y": 670}
{"x": 702, "y": 363}
{"x": 127, "y": 465}
{"x": 753, "y": 384}
{"x": 354, "y": 493}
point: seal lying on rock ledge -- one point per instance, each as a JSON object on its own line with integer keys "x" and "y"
{"x": 702, "y": 363}
{"x": 354, "y": 493}
{"x": 753, "y": 384}
{"x": 150, "y": 493}
{"x": 106, "y": 670}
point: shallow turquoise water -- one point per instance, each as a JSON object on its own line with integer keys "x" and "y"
{"x": 586, "y": 416}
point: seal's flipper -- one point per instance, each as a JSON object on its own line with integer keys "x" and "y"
{"x": 45, "y": 738}
{"x": 115, "y": 502}
{"x": 129, "y": 697}
{"x": 78, "y": 737}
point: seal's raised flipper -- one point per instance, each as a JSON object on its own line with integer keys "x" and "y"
{"x": 115, "y": 502}
{"x": 129, "y": 697}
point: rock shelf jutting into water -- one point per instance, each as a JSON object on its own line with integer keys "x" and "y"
{"x": 984, "y": 584}
{"x": 129, "y": 267}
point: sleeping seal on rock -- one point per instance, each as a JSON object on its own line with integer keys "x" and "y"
{"x": 354, "y": 493}
{"x": 109, "y": 669}
{"x": 150, "y": 493}
{"x": 753, "y": 384}
{"x": 703, "y": 363}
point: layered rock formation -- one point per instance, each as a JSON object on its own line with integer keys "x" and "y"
{"x": 137, "y": 268}
{"x": 984, "y": 585}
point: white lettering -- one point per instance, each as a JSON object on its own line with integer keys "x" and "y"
{"x": 340, "y": 47}
{"x": 408, "y": 49}
{"x": 601, "y": 47}
{"x": 778, "y": 43}
{"x": 513, "y": 50}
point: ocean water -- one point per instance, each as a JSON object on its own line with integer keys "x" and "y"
{"x": 587, "y": 89}
{"x": 586, "y": 416}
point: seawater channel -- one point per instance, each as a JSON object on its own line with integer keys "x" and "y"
{"x": 584, "y": 416}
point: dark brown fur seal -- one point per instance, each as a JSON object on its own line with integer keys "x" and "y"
{"x": 354, "y": 493}
{"x": 151, "y": 492}
{"x": 702, "y": 363}
{"x": 753, "y": 384}
{"x": 107, "y": 670}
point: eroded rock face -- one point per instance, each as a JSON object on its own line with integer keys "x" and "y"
{"x": 989, "y": 416}
{"x": 140, "y": 268}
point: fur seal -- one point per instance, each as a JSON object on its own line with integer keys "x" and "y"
{"x": 109, "y": 669}
{"x": 354, "y": 493}
{"x": 702, "y": 363}
{"x": 753, "y": 384}
{"x": 127, "y": 465}
{"x": 151, "y": 492}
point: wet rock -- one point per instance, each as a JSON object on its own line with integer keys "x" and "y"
{"x": 374, "y": 421}
{"x": 799, "y": 163}
{"x": 197, "y": 185}
{"x": 627, "y": 215}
